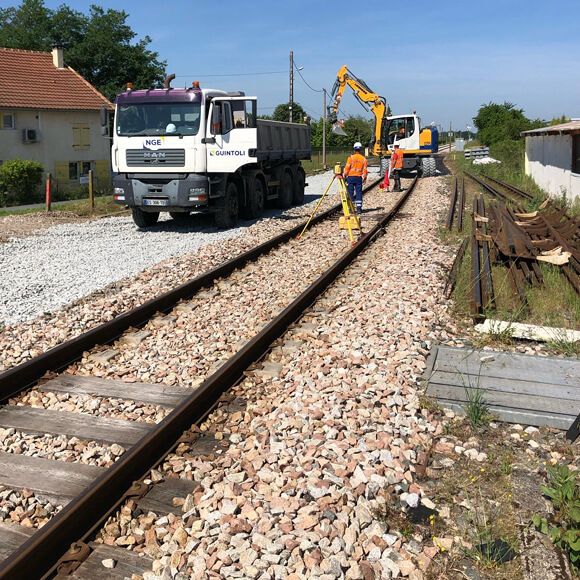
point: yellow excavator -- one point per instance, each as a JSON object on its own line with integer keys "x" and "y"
{"x": 418, "y": 144}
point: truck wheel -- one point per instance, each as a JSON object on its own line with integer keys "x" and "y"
{"x": 256, "y": 200}
{"x": 298, "y": 197}
{"x": 179, "y": 216}
{"x": 144, "y": 219}
{"x": 226, "y": 214}
{"x": 428, "y": 167}
{"x": 286, "y": 192}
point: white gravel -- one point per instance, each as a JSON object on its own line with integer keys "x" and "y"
{"x": 59, "y": 265}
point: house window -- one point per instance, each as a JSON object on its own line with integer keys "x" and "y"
{"x": 7, "y": 121}
{"x": 78, "y": 169}
{"x": 576, "y": 154}
{"x": 81, "y": 137}
{"x": 73, "y": 171}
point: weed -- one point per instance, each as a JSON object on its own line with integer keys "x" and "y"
{"x": 476, "y": 408}
{"x": 564, "y": 492}
{"x": 428, "y": 404}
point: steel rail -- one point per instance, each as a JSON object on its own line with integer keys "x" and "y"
{"x": 511, "y": 188}
{"x": 487, "y": 187}
{"x": 39, "y": 555}
{"x": 452, "y": 204}
{"x": 20, "y": 377}
{"x": 461, "y": 208}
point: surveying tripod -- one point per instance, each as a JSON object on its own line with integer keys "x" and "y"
{"x": 349, "y": 221}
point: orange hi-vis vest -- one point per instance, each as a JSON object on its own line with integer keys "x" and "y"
{"x": 356, "y": 166}
{"x": 397, "y": 159}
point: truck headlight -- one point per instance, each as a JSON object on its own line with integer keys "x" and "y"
{"x": 197, "y": 194}
{"x": 119, "y": 194}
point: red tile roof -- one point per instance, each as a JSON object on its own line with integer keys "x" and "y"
{"x": 29, "y": 80}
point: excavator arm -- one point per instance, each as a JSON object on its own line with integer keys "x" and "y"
{"x": 363, "y": 94}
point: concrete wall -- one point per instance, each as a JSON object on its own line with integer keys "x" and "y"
{"x": 55, "y": 148}
{"x": 549, "y": 163}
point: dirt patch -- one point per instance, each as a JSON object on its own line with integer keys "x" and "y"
{"x": 24, "y": 225}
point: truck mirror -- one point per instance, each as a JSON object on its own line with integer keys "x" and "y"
{"x": 216, "y": 120}
{"x": 104, "y": 115}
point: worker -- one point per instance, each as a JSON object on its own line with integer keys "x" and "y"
{"x": 397, "y": 166}
{"x": 355, "y": 172}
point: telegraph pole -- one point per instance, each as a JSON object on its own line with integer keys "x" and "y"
{"x": 324, "y": 129}
{"x": 291, "y": 82}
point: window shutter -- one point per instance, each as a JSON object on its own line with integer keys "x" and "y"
{"x": 85, "y": 138}
{"x": 103, "y": 170}
{"x": 61, "y": 170}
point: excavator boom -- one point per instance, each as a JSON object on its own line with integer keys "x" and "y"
{"x": 365, "y": 96}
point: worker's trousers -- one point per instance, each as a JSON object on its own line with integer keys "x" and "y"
{"x": 397, "y": 178}
{"x": 354, "y": 183}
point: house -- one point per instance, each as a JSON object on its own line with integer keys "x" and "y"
{"x": 553, "y": 158}
{"x": 50, "y": 114}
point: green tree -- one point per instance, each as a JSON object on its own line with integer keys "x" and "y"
{"x": 559, "y": 120}
{"x": 497, "y": 123}
{"x": 282, "y": 113}
{"x": 99, "y": 45}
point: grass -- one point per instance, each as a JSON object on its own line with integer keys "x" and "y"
{"x": 332, "y": 157}
{"x": 103, "y": 206}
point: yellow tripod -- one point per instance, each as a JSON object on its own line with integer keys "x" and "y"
{"x": 350, "y": 221}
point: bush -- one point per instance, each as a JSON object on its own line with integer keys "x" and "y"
{"x": 511, "y": 153}
{"x": 20, "y": 181}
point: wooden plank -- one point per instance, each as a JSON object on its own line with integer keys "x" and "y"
{"x": 507, "y": 385}
{"x": 152, "y": 394}
{"x": 126, "y": 561}
{"x": 12, "y": 536}
{"x": 535, "y": 418}
{"x": 54, "y": 481}
{"x": 160, "y": 498}
{"x": 499, "y": 398}
{"x": 548, "y": 370}
{"x": 86, "y": 427}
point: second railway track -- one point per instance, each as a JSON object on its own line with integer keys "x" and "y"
{"x": 113, "y": 436}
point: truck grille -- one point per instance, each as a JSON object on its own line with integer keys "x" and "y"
{"x": 162, "y": 157}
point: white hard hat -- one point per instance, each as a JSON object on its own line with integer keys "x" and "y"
{"x": 171, "y": 128}
{"x": 357, "y": 145}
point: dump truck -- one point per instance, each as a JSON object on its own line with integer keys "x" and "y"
{"x": 418, "y": 143}
{"x": 197, "y": 150}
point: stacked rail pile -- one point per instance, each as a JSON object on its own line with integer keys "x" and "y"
{"x": 505, "y": 234}
{"x": 522, "y": 240}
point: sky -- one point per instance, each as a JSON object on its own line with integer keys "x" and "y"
{"x": 444, "y": 59}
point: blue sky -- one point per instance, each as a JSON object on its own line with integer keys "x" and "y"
{"x": 444, "y": 59}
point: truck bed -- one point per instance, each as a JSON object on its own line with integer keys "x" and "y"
{"x": 279, "y": 140}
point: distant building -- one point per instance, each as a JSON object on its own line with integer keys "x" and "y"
{"x": 49, "y": 113}
{"x": 553, "y": 158}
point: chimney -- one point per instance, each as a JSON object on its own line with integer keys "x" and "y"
{"x": 57, "y": 56}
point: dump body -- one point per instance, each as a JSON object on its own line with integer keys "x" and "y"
{"x": 194, "y": 150}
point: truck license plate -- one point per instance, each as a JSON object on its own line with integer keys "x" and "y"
{"x": 155, "y": 202}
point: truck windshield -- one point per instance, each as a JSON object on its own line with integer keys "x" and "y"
{"x": 158, "y": 119}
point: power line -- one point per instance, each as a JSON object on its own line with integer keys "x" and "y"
{"x": 304, "y": 80}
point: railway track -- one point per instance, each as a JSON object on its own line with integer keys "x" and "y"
{"x": 92, "y": 492}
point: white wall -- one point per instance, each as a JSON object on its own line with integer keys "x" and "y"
{"x": 549, "y": 163}
{"x": 56, "y": 139}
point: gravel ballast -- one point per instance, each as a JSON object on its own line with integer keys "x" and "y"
{"x": 62, "y": 264}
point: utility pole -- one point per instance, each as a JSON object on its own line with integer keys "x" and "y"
{"x": 450, "y": 135}
{"x": 324, "y": 129}
{"x": 291, "y": 83}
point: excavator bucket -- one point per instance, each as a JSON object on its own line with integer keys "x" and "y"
{"x": 337, "y": 130}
